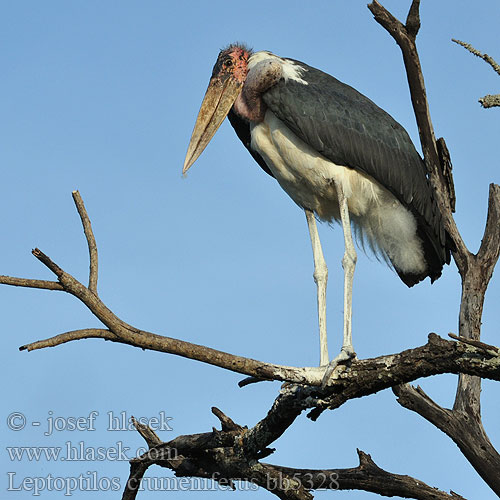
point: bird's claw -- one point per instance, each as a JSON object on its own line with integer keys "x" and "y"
{"x": 346, "y": 354}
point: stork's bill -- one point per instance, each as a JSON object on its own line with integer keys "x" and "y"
{"x": 219, "y": 98}
{"x": 223, "y": 90}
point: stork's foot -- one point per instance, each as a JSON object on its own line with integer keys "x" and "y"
{"x": 345, "y": 355}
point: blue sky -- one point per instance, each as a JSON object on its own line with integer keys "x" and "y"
{"x": 102, "y": 97}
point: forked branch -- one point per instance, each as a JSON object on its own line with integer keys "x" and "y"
{"x": 475, "y": 270}
{"x": 216, "y": 456}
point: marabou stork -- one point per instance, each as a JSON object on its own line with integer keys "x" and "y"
{"x": 338, "y": 156}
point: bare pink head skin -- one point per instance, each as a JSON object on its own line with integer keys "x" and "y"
{"x": 232, "y": 62}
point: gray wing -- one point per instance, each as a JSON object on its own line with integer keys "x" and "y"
{"x": 349, "y": 129}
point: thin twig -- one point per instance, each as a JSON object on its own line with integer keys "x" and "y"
{"x": 480, "y": 345}
{"x": 252, "y": 380}
{"x": 48, "y": 262}
{"x": 490, "y": 101}
{"x": 89, "y": 235}
{"x": 226, "y": 422}
{"x": 147, "y": 433}
{"x": 485, "y": 57}
{"x": 29, "y": 283}
{"x": 88, "y": 333}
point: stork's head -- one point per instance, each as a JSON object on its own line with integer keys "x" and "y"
{"x": 225, "y": 85}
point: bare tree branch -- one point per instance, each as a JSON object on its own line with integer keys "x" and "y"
{"x": 446, "y": 168}
{"x": 368, "y": 476}
{"x": 475, "y": 278}
{"x": 87, "y": 333}
{"x": 487, "y": 347}
{"x": 226, "y": 423}
{"x": 406, "y": 39}
{"x": 151, "y": 341}
{"x": 488, "y": 101}
{"x": 489, "y": 250}
{"x": 367, "y": 376}
{"x": 30, "y": 283}
{"x": 125, "y": 333}
{"x": 465, "y": 429}
{"x": 419, "y": 356}
{"x": 484, "y": 57}
{"x": 147, "y": 433}
{"x": 119, "y": 331}
{"x": 208, "y": 456}
{"x": 475, "y": 270}
{"x": 89, "y": 234}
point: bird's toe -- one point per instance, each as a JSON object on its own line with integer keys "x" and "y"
{"x": 345, "y": 355}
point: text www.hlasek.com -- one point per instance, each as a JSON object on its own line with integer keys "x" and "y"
{"x": 74, "y": 452}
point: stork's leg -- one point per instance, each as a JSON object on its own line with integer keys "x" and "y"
{"x": 320, "y": 277}
{"x": 348, "y": 263}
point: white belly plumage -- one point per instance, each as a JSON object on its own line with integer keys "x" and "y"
{"x": 309, "y": 179}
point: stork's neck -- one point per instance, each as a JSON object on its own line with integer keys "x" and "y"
{"x": 264, "y": 71}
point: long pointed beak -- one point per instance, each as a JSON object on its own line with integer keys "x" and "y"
{"x": 219, "y": 98}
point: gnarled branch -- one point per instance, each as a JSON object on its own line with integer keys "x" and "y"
{"x": 227, "y": 456}
{"x": 475, "y": 270}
